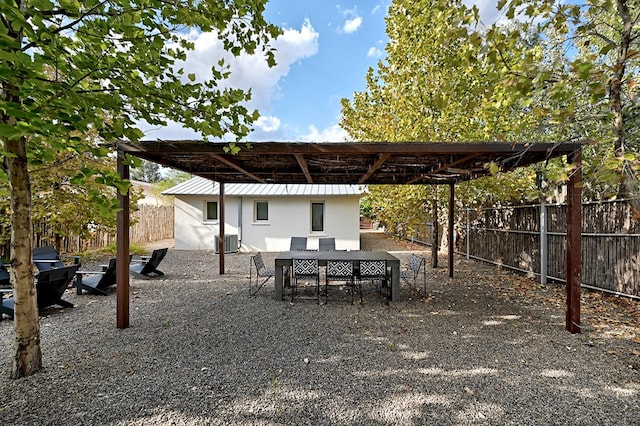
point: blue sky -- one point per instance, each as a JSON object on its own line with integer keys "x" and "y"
{"x": 323, "y": 56}
{"x": 350, "y": 39}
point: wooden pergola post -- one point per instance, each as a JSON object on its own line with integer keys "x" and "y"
{"x": 122, "y": 243}
{"x": 574, "y": 242}
{"x": 221, "y": 246}
{"x": 435, "y": 243}
{"x": 451, "y": 219}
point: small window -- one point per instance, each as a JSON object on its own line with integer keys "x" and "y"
{"x": 317, "y": 217}
{"x": 261, "y": 211}
{"x": 212, "y": 210}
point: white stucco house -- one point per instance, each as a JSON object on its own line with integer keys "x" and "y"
{"x": 263, "y": 217}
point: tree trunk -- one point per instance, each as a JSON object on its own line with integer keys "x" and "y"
{"x": 27, "y": 357}
{"x": 628, "y": 187}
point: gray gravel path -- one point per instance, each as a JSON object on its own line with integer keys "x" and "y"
{"x": 200, "y": 351}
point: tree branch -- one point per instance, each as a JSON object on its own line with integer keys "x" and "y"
{"x": 69, "y": 25}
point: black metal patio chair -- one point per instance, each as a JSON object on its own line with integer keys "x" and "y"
{"x": 4, "y": 276}
{"x": 97, "y": 282}
{"x": 298, "y": 243}
{"x": 411, "y": 273}
{"x": 326, "y": 244}
{"x": 262, "y": 274}
{"x": 305, "y": 269}
{"x": 377, "y": 272}
{"x": 340, "y": 270}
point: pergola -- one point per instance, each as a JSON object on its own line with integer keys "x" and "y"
{"x": 367, "y": 163}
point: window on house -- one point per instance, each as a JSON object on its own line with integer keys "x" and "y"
{"x": 212, "y": 210}
{"x": 261, "y": 211}
{"x": 317, "y": 217}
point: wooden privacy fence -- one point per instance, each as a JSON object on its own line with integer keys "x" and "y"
{"x": 531, "y": 239}
{"x": 152, "y": 223}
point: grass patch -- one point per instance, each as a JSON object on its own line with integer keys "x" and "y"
{"x": 111, "y": 250}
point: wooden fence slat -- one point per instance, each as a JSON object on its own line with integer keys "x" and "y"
{"x": 610, "y": 261}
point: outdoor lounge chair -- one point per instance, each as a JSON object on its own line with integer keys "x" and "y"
{"x": 410, "y": 274}
{"x": 4, "y": 276}
{"x": 261, "y": 273}
{"x": 47, "y": 257}
{"x": 148, "y": 265}
{"x": 96, "y": 282}
{"x": 50, "y": 286}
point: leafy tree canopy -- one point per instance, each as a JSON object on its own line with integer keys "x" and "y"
{"x": 549, "y": 72}
{"x": 76, "y": 77}
{"x": 148, "y": 171}
{"x": 65, "y": 206}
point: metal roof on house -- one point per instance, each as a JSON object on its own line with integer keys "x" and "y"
{"x": 201, "y": 186}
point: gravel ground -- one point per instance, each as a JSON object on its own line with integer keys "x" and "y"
{"x": 200, "y": 351}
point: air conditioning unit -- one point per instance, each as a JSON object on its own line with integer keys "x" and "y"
{"x": 230, "y": 243}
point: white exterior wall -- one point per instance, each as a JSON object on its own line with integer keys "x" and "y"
{"x": 291, "y": 217}
{"x": 288, "y": 217}
{"x": 192, "y": 231}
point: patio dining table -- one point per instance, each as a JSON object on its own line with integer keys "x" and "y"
{"x": 285, "y": 260}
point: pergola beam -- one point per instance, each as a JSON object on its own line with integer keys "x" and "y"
{"x": 382, "y": 158}
{"x": 236, "y": 166}
{"x": 360, "y": 148}
{"x": 304, "y": 167}
{"x": 444, "y": 167}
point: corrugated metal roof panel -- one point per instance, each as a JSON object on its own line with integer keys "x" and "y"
{"x": 194, "y": 186}
{"x": 201, "y": 186}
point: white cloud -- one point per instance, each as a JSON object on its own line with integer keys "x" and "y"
{"x": 268, "y": 123}
{"x": 172, "y": 131}
{"x": 247, "y": 72}
{"x": 268, "y": 128}
{"x": 352, "y": 25}
{"x": 382, "y": 7}
{"x": 374, "y": 52}
{"x": 252, "y": 71}
{"x": 352, "y": 22}
{"x": 333, "y": 133}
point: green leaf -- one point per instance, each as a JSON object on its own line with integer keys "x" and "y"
{"x": 42, "y": 4}
{"x": 606, "y": 48}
